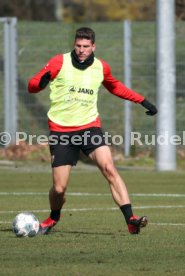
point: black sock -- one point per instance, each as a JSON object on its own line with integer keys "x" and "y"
{"x": 55, "y": 214}
{"x": 127, "y": 211}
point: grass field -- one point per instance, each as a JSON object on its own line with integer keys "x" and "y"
{"x": 92, "y": 237}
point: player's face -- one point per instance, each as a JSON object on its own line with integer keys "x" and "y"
{"x": 83, "y": 48}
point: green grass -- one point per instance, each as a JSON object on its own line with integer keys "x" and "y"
{"x": 94, "y": 242}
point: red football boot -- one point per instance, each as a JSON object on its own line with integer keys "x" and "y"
{"x": 135, "y": 223}
{"x": 47, "y": 225}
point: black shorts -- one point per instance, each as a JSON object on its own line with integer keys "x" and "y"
{"x": 65, "y": 146}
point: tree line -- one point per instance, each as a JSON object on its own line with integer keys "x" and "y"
{"x": 84, "y": 11}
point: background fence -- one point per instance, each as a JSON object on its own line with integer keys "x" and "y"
{"x": 1, "y": 78}
{"x": 38, "y": 42}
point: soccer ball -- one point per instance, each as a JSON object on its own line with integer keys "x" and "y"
{"x": 25, "y": 225}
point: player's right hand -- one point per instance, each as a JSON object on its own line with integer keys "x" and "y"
{"x": 45, "y": 80}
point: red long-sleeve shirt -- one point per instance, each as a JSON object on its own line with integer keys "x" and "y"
{"x": 113, "y": 85}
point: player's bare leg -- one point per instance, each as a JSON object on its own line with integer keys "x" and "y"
{"x": 56, "y": 197}
{"x": 60, "y": 181}
{"x": 103, "y": 158}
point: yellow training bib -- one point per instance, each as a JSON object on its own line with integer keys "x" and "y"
{"x": 74, "y": 93}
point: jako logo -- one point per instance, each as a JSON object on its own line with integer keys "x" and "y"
{"x": 81, "y": 90}
{"x": 85, "y": 91}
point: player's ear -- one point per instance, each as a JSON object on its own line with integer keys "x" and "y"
{"x": 94, "y": 47}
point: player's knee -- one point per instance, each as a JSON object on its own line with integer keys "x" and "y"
{"x": 59, "y": 188}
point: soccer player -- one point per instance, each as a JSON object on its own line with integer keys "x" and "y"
{"x": 73, "y": 120}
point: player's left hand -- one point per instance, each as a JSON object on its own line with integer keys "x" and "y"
{"x": 152, "y": 110}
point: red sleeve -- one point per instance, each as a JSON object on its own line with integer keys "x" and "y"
{"x": 54, "y": 65}
{"x": 117, "y": 88}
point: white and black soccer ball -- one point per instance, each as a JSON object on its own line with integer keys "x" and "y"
{"x": 25, "y": 225}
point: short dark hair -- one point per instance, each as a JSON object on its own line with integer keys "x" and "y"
{"x": 86, "y": 33}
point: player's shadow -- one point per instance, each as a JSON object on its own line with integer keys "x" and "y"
{"x": 81, "y": 232}
{"x": 76, "y": 233}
